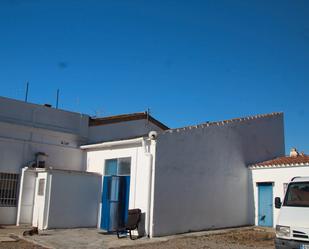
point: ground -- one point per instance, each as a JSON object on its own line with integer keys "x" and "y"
{"x": 231, "y": 240}
{"x": 240, "y": 238}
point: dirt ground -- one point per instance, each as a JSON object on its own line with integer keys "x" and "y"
{"x": 234, "y": 239}
{"x": 252, "y": 238}
{"x": 20, "y": 244}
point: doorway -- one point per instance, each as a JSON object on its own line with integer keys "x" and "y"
{"x": 115, "y": 193}
{"x": 265, "y": 207}
{"x": 39, "y": 201}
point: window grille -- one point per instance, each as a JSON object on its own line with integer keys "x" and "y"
{"x": 8, "y": 189}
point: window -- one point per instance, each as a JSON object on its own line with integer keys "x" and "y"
{"x": 297, "y": 195}
{"x": 41, "y": 187}
{"x": 119, "y": 166}
{"x": 8, "y": 189}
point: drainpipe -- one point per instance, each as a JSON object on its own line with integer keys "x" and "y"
{"x": 148, "y": 154}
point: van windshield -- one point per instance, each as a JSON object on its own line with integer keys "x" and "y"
{"x": 297, "y": 195}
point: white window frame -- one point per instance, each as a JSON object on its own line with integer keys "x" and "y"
{"x": 117, "y": 169}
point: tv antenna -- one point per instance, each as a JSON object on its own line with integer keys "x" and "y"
{"x": 27, "y": 90}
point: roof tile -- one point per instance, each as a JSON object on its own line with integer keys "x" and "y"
{"x": 301, "y": 159}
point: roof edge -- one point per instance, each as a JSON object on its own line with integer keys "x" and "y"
{"x": 109, "y": 144}
{"x": 125, "y": 118}
{"x": 225, "y": 122}
{"x": 283, "y": 165}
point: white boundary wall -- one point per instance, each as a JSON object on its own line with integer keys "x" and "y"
{"x": 70, "y": 199}
{"x": 201, "y": 179}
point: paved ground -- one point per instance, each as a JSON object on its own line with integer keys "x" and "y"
{"x": 241, "y": 238}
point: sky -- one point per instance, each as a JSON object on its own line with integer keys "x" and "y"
{"x": 188, "y": 61}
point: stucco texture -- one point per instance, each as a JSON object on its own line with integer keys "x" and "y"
{"x": 201, "y": 175}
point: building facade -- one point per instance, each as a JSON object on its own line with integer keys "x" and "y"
{"x": 192, "y": 178}
{"x": 270, "y": 179}
{"x": 28, "y": 131}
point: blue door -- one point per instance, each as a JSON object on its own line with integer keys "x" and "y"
{"x": 115, "y": 202}
{"x": 265, "y": 212}
{"x": 115, "y": 193}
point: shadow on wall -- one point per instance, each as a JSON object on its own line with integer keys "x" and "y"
{"x": 251, "y": 206}
{"x": 141, "y": 226}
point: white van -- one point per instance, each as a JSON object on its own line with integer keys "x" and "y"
{"x": 292, "y": 229}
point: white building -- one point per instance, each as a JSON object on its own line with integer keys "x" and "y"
{"x": 270, "y": 179}
{"x": 187, "y": 179}
{"x": 62, "y": 169}
{"x": 28, "y": 131}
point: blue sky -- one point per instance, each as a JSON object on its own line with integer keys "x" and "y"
{"x": 188, "y": 61}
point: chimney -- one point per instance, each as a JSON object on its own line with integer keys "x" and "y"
{"x": 294, "y": 152}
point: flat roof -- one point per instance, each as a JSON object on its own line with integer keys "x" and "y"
{"x": 126, "y": 117}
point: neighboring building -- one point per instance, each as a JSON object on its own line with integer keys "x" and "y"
{"x": 29, "y": 132}
{"x": 123, "y": 126}
{"x": 187, "y": 179}
{"x": 270, "y": 179}
{"x": 26, "y": 129}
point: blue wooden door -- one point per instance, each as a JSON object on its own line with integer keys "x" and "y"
{"x": 105, "y": 210}
{"x": 115, "y": 202}
{"x": 265, "y": 212}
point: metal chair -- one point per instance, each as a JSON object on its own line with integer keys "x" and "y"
{"x": 134, "y": 218}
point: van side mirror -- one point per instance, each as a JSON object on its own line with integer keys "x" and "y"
{"x": 278, "y": 202}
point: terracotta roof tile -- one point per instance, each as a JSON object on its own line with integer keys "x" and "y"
{"x": 284, "y": 161}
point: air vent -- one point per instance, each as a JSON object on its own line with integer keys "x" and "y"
{"x": 301, "y": 235}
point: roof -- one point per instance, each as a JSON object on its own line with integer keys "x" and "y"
{"x": 301, "y": 179}
{"x": 125, "y": 118}
{"x": 284, "y": 161}
{"x": 226, "y": 122}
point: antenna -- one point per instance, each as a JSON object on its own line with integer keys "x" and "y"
{"x": 148, "y": 113}
{"x": 27, "y": 89}
{"x": 57, "y": 98}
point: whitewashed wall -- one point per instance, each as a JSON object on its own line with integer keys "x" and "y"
{"x": 201, "y": 175}
{"x": 278, "y": 176}
{"x": 26, "y": 198}
{"x": 74, "y": 199}
{"x": 26, "y": 129}
{"x": 33, "y": 115}
{"x": 140, "y": 178}
{"x": 121, "y": 130}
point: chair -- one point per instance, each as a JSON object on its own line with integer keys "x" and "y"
{"x": 134, "y": 218}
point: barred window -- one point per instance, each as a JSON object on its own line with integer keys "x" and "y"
{"x": 8, "y": 189}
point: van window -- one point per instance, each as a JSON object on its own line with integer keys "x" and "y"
{"x": 297, "y": 195}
